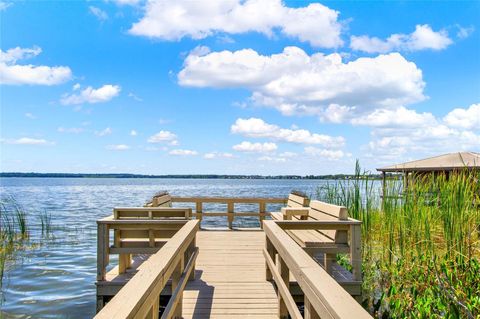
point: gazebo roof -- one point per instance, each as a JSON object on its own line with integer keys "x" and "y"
{"x": 446, "y": 162}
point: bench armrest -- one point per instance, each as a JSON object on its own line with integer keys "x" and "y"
{"x": 288, "y": 212}
{"x": 317, "y": 224}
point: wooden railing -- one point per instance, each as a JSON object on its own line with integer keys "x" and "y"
{"x": 131, "y": 236}
{"x": 323, "y": 296}
{"x": 140, "y": 297}
{"x": 230, "y": 202}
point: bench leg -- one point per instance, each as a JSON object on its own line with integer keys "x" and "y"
{"x": 328, "y": 259}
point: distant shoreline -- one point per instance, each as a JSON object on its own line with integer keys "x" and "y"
{"x": 192, "y": 176}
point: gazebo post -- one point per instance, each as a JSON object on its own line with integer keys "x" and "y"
{"x": 383, "y": 188}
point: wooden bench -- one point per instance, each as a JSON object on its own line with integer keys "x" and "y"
{"x": 295, "y": 203}
{"x": 138, "y": 232}
{"x": 162, "y": 199}
{"x": 342, "y": 236}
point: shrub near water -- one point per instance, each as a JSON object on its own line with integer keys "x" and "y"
{"x": 421, "y": 251}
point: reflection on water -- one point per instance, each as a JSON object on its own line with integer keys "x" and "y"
{"x": 56, "y": 280}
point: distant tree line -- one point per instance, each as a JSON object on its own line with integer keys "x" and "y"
{"x": 198, "y": 176}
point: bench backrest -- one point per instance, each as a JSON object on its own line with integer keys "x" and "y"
{"x": 151, "y": 213}
{"x": 164, "y": 200}
{"x": 297, "y": 201}
{"x": 324, "y": 211}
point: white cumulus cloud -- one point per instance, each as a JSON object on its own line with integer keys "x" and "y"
{"x": 468, "y": 118}
{"x": 213, "y": 155}
{"x": 423, "y": 38}
{"x": 106, "y": 131}
{"x": 18, "y": 74}
{"x": 173, "y": 20}
{"x": 91, "y": 96}
{"x": 255, "y": 147}
{"x": 395, "y": 118}
{"x": 296, "y": 83}
{"x": 27, "y": 141}
{"x": 180, "y": 152}
{"x": 133, "y": 133}
{"x": 163, "y": 137}
{"x": 459, "y": 130}
{"x": 325, "y": 153}
{"x": 258, "y": 128}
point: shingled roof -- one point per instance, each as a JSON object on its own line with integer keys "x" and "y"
{"x": 446, "y": 162}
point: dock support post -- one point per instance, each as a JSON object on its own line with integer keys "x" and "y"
{"x": 102, "y": 250}
{"x": 230, "y": 209}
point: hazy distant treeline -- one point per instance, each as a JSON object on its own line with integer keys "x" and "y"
{"x": 203, "y": 176}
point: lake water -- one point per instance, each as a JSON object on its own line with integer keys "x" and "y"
{"x": 56, "y": 279}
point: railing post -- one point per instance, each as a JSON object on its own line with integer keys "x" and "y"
{"x": 261, "y": 210}
{"x": 309, "y": 311}
{"x": 198, "y": 210}
{"x": 156, "y": 308}
{"x": 230, "y": 210}
{"x": 271, "y": 251}
{"x": 285, "y": 274}
{"x": 177, "y": 273}
{"x": 102, "y": 250}
{"x": 191, "y": 250}
{"x": 356, "y": 251}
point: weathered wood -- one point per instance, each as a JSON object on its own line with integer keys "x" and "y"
{"x": 309, "y": 311}
{"x": 230, "y": 209}
{"x": 174, "y": 306}
{"x": 240, "y": 200}
{"x": 356, "y": 251}
{"x": 289, "y": 212}
{"x": 297, "y": 201}
{"x": 287, "y": 304}
{"x": 139, "y": 295}
{"x": 102, "y": 250}
{"x": 230, "y": 280}
{"x": 325, "y": 295}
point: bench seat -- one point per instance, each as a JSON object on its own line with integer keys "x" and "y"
{"x": 324, "y": 244}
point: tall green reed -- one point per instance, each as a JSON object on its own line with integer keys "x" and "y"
{"x": 432, "y": 221}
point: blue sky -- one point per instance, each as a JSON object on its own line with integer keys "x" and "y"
{"x": 235, "y": 87}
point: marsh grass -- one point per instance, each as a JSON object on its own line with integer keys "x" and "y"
{"x": 421, "y": 248}
{"x": 15, "y": 227}
{"x": 46, "y": 223}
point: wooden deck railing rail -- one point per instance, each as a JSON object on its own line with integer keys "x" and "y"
{"x": 230, "y": 202}
{"x": 323, "y": 296}
{"x": 140, "y": 297}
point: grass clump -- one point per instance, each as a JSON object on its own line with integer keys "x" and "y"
{"x": 15, "y": 228}
{"x": 421, "y": 247}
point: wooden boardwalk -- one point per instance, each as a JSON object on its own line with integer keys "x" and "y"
{"x": 230, "y": 278}
{"x": 168, "y": 267}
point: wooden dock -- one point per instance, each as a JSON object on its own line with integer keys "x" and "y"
{"x": 169, "y": 267}
{"x": 230, "y": 278}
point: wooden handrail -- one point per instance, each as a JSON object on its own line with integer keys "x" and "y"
{"x": 225, "y": 200}
{"x": 324, "y": 297}
{"x": 230, "y": 201}
{"x": 139, "y": 298}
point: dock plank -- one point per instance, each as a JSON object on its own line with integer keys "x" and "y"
{"x": 230, "y": 278}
